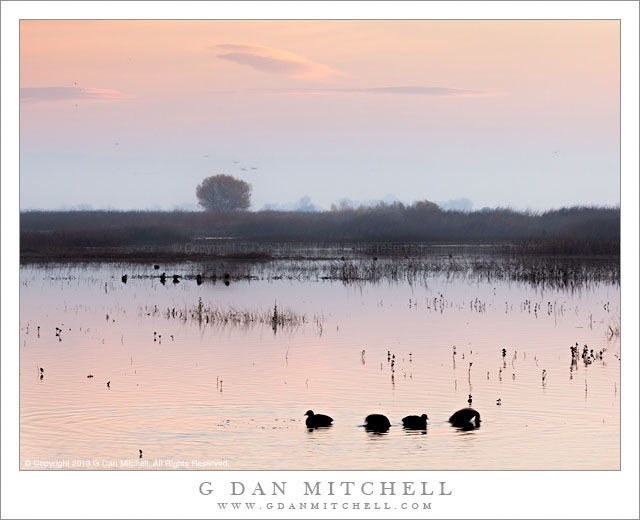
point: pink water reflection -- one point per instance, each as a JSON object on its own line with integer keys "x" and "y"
{"x": 165, "y": 396}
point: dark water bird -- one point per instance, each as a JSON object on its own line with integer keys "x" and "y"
{"x": 163, "y": 278}
{"x": 415, "y": 422}
{"x": 377, "y": 423}
{"x": 176, "y": 278}
{"x": 499, "y": 402}
{"x": 124, "y": 278}
{"x": 465, "y": 418}
{"x": 140, "y": 453}
{"x": 317, "y": 420}
{"x": 470, "y": 400}
{"x": 156, "y": 266}
{"x": 89, "y": 376}
{"x": 199, "y": 279}
{"x": 227, "y": 276}
{"x": 108, "y": 384}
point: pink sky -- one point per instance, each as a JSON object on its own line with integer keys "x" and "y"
{"x": 520, "y": 113}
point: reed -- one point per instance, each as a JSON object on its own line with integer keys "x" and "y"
{"x": 215, "y": 315}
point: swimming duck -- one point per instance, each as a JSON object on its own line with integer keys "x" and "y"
{"x": 317, "y": 420}
{"x": 465, "y": 418}
{"x": 377, "y": 423}
{"x": 415, "y": 422}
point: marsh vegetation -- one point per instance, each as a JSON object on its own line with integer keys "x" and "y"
{"x": 131, "y": 235}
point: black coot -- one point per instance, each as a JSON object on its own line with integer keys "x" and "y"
{"x": 415, "y": 422}
{"x": 377, "y": 423}
{"x": 317, "y": 420}
{"x": 465, "y": 418}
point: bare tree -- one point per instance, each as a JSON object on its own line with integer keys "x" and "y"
{"x": 224, "y": 193}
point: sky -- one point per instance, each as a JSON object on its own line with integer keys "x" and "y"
{"x": 134, "y": 114}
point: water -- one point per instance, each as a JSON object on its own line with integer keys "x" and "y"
{"x": 233, "y": 396}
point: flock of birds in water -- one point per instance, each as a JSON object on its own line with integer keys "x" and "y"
{"x": 466, "y": 419}
{"x": 176, "y": 277}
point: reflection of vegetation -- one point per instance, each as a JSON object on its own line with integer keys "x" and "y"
{"x": 549, "y": 272}
{"x": 613, "y": 328}
{"x": 578, "y": 230}
{"x": 275, "y": 318}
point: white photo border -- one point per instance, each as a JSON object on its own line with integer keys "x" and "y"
{"x": 482, "y": 494}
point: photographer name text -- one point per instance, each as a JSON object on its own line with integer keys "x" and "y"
{"x": 332, "y": 488}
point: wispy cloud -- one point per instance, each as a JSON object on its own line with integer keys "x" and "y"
{"x": 34, "y": 94}
{"x": 276, "y": 61}
{"x": 400, "y": 90}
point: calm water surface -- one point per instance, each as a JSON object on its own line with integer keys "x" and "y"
{"x": 235, "y": 395}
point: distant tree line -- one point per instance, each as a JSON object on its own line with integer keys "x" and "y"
{"x": 575, "y": 230}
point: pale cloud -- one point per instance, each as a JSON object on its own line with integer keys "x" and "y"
{"x": 34, "y": 94}
{"x": 276, "y": 61}
{"x": 399, "y": 90}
